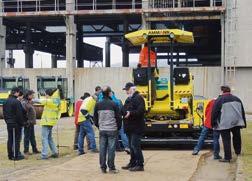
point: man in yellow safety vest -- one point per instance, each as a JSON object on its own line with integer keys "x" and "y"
{"x": 50, "y": 117}
{"x": 85, "y": 122}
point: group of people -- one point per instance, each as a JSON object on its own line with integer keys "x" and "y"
{"x": 19, "y": 112}
{"x": 113, "y": 119}
{"x": 103, "y": 109}
{"x": 223, "y": 115}
{"x": 20, "y": 116}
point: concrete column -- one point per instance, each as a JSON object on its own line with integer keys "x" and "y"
{"x": 80, "y": 62}
{"x": 107, "y": 52}
{"x": 125, "y": 47}
{"x": 10, "y": 59}
{"x": 2, "y": 47}
{"x": 28, "y": 57}
{"x": 54, "y": 61}
{"x": 223, "y": 49}
{"x": 211, "y": 3}
{"x": 28, "y": 50}
{"x": 70, "y": 47}
{"x": 2, "y": 42}
{"x": 179, "y": 3}
{"x": 145, "y": 24}
{"x": 113, "y": 4}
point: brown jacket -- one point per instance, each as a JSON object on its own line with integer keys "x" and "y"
{"x": 30, "y": 112}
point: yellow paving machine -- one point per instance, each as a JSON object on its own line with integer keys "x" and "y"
{"x": 174, "y": 115}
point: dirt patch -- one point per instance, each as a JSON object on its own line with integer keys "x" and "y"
{"x": 159, "y": 165}
{"x": 212, "y": 170}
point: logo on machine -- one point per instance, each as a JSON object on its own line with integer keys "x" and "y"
{"x": 159, "y": 32}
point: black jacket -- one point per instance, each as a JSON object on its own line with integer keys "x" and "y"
{"x": 107, "y": 116}
{"x": 136, "y": 106}
{"x": 13, "y": 112}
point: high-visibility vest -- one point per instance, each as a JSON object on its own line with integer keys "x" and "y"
{"x": 88, "y": 104}
{"x": 51, "y": 112}
{"x": 143, "y": 57}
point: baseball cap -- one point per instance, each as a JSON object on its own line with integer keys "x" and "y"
{"x": 225, "y": 88}
{"x": 128, "y": 86}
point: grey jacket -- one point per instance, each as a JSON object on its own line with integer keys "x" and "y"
{"x": 107, "y": 116}
{"x": 228, "y": 112}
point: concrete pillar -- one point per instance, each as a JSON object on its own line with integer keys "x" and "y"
{"x": 2, "y": 46}
{"x": 145, "y": 24}
{"x": 70, "y": 47}
{"x": 80, "y": 62}
{"x": 2, "y": 42}
{"x": 125, "y": 47}
{"x": 28, "y": 50}
{"x": 107, "y": 53}
{"x": 113, "y": 4}
{"x": 179, "y": 3}
{"x": 10, "y": 59}
{"x": 222, "y": 49}
{"x": 54, "y": 61}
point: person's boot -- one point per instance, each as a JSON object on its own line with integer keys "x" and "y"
{"x": 103, "y": 170}
{"x": 36, "y": 151}
{"x": 19, "y": 157}
{"x": 27, "y": 153}
{"x": 81, "y": 153}
{"x": 94, "y": 151}
{"x": 195, "y": 152}
{"x": 217, "y": 157}
{"x": 75, "y": 147}
{"x": 127, "y": 167}
{"x": 136, "y": 169}
{"x": 113, "y": 171}
{"x": 56, "y": 155}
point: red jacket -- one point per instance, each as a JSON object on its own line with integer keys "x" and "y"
{"x": 208, "y": 114}
{"x": 76, "y": 110}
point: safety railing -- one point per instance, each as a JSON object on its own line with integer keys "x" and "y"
{"x": 184, "y": 3}
{"x": 59, "y": 5}
{"x": 36, "y": 6}
{"x": 32, "y": 5}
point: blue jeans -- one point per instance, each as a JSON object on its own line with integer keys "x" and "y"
{"x": 203, "y": 135}
{"x": 47, "y": 139}
{"x": 136, "y": 155}
{"x": 124, "y": 138}
{"x": 107, "y": 144}
{"x": 86, "y": 129}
